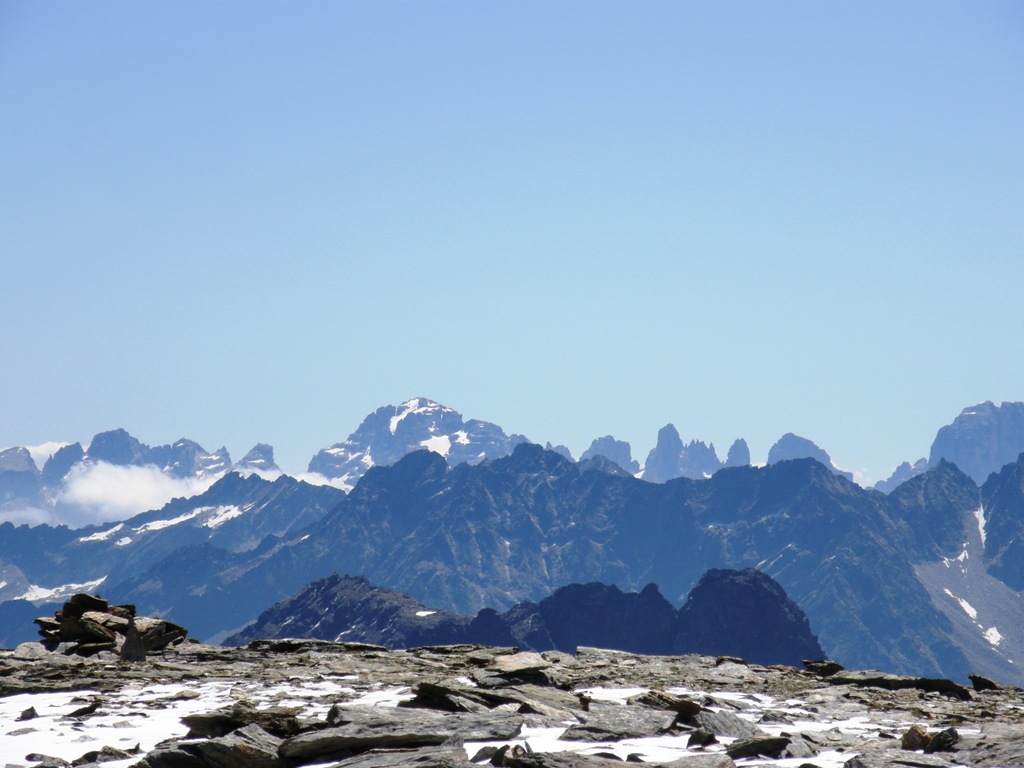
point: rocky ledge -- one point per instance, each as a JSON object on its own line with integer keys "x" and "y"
{"x": 292, "y": 703}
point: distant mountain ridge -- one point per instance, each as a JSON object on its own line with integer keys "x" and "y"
{"x": 517, "y": 528}
{"x": 393, "y": 431}
{"x": 981, "y": 441}
{"x": 738, "y": 613}
{"x": 23, "y": 484}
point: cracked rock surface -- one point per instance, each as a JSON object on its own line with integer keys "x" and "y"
{"x": 294, "y": 703}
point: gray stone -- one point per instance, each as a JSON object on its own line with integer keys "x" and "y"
{"x": 701, "y": 761}
{"x": 767, "y": 746}
{"x": 726, "y": 724}
{"x": 613, "y": 722}
{"x": 249, "y": 747}
{"x": 424, "y": 757}
{"x": 874, "y": 679}
{"x": 898, "y": 759}
{"x": 359, "y": 729}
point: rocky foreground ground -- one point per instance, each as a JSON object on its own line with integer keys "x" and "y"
{"x": 282, "y": 704}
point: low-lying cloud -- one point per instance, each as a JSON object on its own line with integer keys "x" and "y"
{"x": 101, "y": 493}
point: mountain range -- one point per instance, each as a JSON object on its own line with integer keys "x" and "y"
{"x": 981, "y": 440}
{"x": 924, "y": 579}
{"x": 736, "y": 613}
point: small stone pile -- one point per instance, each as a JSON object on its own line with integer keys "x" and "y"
{"x": 88, "y": 624}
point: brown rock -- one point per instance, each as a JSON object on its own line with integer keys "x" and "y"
{"x": 915, "y": 738}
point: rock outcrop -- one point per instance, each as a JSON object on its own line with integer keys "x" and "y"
{"x": 87, "y": 625}
{"x": 747, "y": 614}
{"x": 791, "y": 446}
{"x": 289, "y": 704}
{"x": 982, "y": 439}
{"x": 394, "y": 431}
{"x": 740, "y": 613}
{"x": 617, "y": 451}
{"x": 671, "y": 458}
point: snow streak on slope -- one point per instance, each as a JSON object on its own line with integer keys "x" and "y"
{"x": 983, "y": 609}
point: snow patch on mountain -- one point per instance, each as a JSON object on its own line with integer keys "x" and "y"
{"x": 980, "y": 516}
{"x": 37, "y": 594}
{"x": 391, "y": 432}
{"x": 976, "y": 602}
{"x": 441, "y": 444}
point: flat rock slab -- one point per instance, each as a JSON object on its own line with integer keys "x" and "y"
{"x": 614, "y": 722}
{"x": 873, "y": 679}
{"x": 683, "y": 706}
{"x": 424, "y": 757}
{"x": 248, "y": 747}
{"x": 360, "y": 729}
{"x": 559, "y": 760}
{"x": 724, "y": 723}
{"x": 519, "y": 662}
{"x": 767, "y": 746}
{"x": 900, "y": 759}
{"x": 701, "y": 761}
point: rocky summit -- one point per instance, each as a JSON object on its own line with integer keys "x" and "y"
{"x": 294, "y": 703}
{"x": 735, "y": 612}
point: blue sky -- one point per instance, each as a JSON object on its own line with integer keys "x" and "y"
{"x": 243, "y": 222}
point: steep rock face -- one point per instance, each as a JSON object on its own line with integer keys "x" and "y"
{"x": 671, "y": 458}
{"x": 931, "y": 508}
{"x": 1003, "y": 524}
{"x": 663, "y": 461}
{"x": 739, "y": 454}
{"x": 350, "y": 609}
{"x": 617, "y": 451}
{"x": 699, "y": 460}
{"x": 513, "y": 529}
{"x": 744, "y": 613}
{"x": 260, "y": 458}
{"x": 59, "y": 464}
{"x": 604, "y": 616}
{"x": 752, "y": 613}
{"x": 561, "y": 450}
{"x": 19, "y": 477}
{"x": 184, "y": 458}
{"x": 118, "y": 447}
{"x": 393, "y": 431}
{"x": 791, "y": 446}
{"x": 982, "y": 439}
{"x": 902, "y": 474}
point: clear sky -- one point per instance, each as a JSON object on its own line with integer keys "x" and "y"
{"x": 253, "y": 221}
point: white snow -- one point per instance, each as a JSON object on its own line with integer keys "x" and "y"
{"x": 980, "y": 515}
{"x": 129, "y": 717}
{"x": 48, "y": 594}
{"x": 969, "y": 609}
{"x": 462, "y": 437}
{"x": 993, "y": 636}
{"x": 221, "y": 515}
{"x": 102, "y": 535}
{"x": 403, "y": 410}
{"x": 146, "y": 714}
{"x": 441, "y": 444}
{"x": 158, "y": 525}
{"x": 425, "y": 613}
{"x": 123, "y": 541}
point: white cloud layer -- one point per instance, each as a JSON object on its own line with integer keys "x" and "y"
{"x": 315, "y": 478}
{"x": 28, "y": 516}
{"x": 102, "y": 492}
